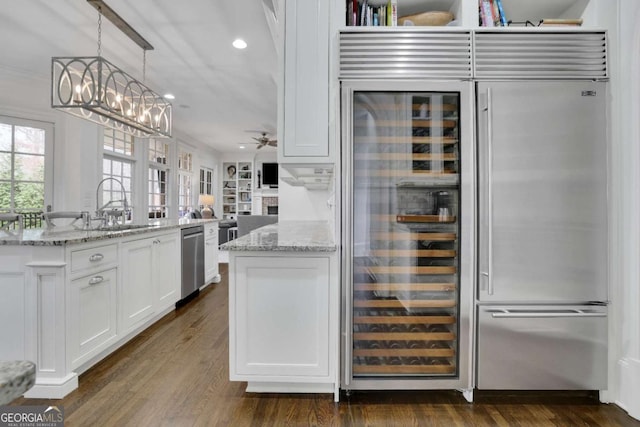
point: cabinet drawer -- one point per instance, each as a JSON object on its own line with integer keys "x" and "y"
{"x": 86, "y": 259}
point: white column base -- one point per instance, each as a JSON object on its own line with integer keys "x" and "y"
{"x": 53, "y": 388}
{"x": 629, "y": 382}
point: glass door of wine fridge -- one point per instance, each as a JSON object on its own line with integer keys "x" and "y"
{"x": 408, "y": 227}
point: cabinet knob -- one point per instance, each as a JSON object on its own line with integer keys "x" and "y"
{"x": 157, "y": 241}
{"x": 96, "y": 257}
{"x": 95, "y": 280}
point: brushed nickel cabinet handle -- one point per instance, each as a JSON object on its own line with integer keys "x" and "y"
{"x": 96, "y": 257}
{"x": 95, "y": 280}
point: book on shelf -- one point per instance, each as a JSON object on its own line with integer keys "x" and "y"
{"x": 491, "y": 13}
{"x": 361, "y": 13}
{"x": 502, "y": 16}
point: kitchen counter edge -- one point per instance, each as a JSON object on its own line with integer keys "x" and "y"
{"x": 43, "y": 237}
{"x": 286, "y": 236}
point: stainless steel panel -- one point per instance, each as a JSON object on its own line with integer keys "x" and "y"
{"x": 543, "y": 191}
{"x": 542, "y": 347}
{"x": 532, "y": 54}
{"x": 192, "y": 260}
{"x": 410, "y": 53}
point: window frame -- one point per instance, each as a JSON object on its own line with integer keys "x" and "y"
{"x": 155, "y": 166}
{"x": 49, "y": 138}
{"x": 115, "y": 156}
{"x": 186, "y": 201}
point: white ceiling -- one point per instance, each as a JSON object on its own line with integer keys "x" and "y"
{"x": 221, "y": 92}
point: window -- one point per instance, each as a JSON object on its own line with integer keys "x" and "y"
{"x": 158, "y": 172}
{"x": 118, "y": 142}
{"x": 23, "y": 187}
{"x": 206, "y": 181}
{"x": 118, "y": 163}
{"x": 185, "y": 170}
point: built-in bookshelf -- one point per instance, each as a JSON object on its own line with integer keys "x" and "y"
{"x": 237, "y": 189}
{"x": 469, "y": 13}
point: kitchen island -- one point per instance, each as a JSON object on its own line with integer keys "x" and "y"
{"x": 72, "y": 296}
{"x": 284, "y": 304}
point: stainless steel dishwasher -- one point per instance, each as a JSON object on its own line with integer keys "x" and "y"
{"x": 192, "y": 260}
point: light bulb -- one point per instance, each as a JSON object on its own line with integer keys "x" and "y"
{"x": 239, "y": 44}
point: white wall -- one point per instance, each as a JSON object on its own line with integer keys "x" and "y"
{"x": 625, "y": 253}
{"x": 298, "y": 203}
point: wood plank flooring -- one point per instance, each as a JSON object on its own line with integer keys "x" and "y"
{"x": 176, "y": 374}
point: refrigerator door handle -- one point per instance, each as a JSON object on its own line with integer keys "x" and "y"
{"x": 487, "y": 195}
{"x": 532, "y": 314}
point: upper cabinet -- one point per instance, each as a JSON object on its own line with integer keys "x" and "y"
{"x": 304, "y": 90}
{"x": 466, "y": 12}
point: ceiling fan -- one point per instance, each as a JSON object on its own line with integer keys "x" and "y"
{"x": 264, "y": 140}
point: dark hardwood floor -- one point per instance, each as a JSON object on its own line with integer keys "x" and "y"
{"x": 176, "y": 374}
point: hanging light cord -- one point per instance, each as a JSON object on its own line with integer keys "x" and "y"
{"x": 144, "y": 65}
{"x": 99, "y": 31}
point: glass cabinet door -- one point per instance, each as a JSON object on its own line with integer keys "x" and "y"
{"x": 405, "y": 228}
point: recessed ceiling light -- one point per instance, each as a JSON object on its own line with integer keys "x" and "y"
{"x": 242, "y": 147}
{"x": 239, "y": 44}
{"x": 169, "y": 96}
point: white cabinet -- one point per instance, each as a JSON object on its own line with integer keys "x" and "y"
{"x": 92, "y": 315}
{"x": 150, "y": 278}
{"x": 166, "y": 270}
{"x": 136, "y": 298}
{"x": 91, "y": 300}
{"x": 66, "y": 307}
{"x": 211, "y": 272}
{"x": 304, "y": 127}
{"x": 279, "y": 320}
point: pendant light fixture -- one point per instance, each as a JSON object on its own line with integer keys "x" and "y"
{"x": 92, "y": 88}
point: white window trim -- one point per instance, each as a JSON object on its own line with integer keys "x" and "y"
{"x": 49, "y": 149}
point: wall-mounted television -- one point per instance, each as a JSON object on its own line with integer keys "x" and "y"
{"x": 270, "y": 174}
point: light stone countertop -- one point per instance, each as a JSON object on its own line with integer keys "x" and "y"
{"x": 61, "y": 236}
{"x": 292, "y": 236}
{"x": 16, "y": 377}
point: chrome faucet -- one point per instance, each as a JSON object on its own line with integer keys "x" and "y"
{"x": 105, "y": 214}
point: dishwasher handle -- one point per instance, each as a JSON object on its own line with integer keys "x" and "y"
{"x": 193, "y": 236}
{"x": 539, "y": 314}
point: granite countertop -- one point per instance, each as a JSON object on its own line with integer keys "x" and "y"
{"x": 60, "y": 236}
{"x": 293, "y": 236}
{"x": 16, "y": 377}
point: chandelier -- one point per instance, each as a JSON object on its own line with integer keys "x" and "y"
{"x": 94, "y": 89}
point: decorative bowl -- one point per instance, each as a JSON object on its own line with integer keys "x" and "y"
{"x": 427, "y": 19}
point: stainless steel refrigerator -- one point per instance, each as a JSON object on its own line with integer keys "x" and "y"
{"x": 408, "y": 218}
{"x": 542, "y": 226}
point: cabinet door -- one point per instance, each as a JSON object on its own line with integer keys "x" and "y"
{"x": 92, "y": 315}
{"x": 166, "y": 262}
{"x": 306, "y": 82}
{"x": 279, "y": 318}
{"x": 211, "y": 253}
{"x": 137, "y": 288}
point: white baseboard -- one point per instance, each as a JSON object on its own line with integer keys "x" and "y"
{"x": 629, "y": 383}
{"x": 264, "y": 387}
{"x": 53, "y": 388}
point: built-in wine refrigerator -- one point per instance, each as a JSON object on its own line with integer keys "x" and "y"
{"x": 408, "y": 218}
